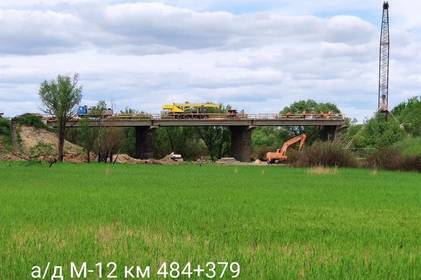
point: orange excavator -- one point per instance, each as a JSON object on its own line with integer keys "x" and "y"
{"x": 281, "y": 154}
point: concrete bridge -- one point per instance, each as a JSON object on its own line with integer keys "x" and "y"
{"x": 241, "y": 127}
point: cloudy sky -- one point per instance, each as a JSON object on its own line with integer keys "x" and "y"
{"x": 257, "y": 55}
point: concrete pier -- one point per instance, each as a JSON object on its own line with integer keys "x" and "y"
{"x": 145, "y": 137}
{"x": 241, "y": 143}
{"x": 328, "y": 133}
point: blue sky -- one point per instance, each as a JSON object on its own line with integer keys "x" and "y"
{"x": 257, "y": 55}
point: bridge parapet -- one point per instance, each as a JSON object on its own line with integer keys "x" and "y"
{"x": 211, "y": 120}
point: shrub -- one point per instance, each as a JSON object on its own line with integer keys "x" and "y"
{"x": 325, "y": 154}
{"x": 31, "y": 120}
{"x": 393, "y": 159}
{"x": 5, "y": 133}
{"x": 293, "y": 156}
{"x": 410, "y": 146}
{"x": 260, "y": 152}
{"x": 42, "y": 150}
{"x": 4, "y": 126}
{"x": 412, "y": 163}
{"x": 386, "y": 158}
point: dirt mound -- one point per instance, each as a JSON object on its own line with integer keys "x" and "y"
{"x": 227, "y": 160}
{"x": 31, "y": 137}
{"x": 171, "y": 159}
{"x": 124, "y": 158}
{"x": 5, "y": 154}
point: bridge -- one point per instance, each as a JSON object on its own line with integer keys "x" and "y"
{"x": 241, "y": 127}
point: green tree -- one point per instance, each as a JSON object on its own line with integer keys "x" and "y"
{"x": 379, "y": 132}
{"x": 87, "y": 137}
{"x": 216, "y": 139}
{"x": 60, "y": 97}
{"x": 409, "y": 115}
{"x": 313, "y": 107}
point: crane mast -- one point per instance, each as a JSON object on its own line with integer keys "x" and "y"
{"x": 383, "y": 98}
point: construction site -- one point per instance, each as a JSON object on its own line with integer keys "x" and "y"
{"x": 198, "y": 184}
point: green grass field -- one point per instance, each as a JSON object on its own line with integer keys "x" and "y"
{"x": 278, "y": 223}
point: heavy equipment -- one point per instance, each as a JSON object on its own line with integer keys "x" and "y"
{"x": 281, "y": 154}
{"x": 196, "y": 111}
{"x": 191, "y": 107}
{"x": 84, "y": 111}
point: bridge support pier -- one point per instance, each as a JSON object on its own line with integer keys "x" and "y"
{"x": 328, "y": 133}
{"x": 241, "y": 143}
{"x": 145, "y": 137}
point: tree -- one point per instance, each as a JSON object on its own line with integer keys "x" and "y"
{"x": 313, "y": 107}
{"x": 379, "y": 132}
{"x": 87, "y": 137}
{"x": 60, "y": 97}
{"x": 216, "y": 139}
{"x": 409, "y": 115}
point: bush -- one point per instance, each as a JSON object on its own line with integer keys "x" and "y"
{"x": 386, "y": 158}
{"x": 393, "y": 159}
{"x": 5, "y": 133}
{"x": 412, "y": 163}
{"x": 31, "y": 120}
{"x": 330, "y": 154}
{"x": 410, "y": 146}
{"x": 293, "y": 156}
{"x": 4, "y": 126}
{"x": 41, "y": 151}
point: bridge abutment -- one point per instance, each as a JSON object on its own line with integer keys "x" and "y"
{"x": 241, "y": 143}
{"x": 145, "y": 137}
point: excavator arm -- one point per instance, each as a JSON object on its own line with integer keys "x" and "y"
{"x": 301, "y": 138}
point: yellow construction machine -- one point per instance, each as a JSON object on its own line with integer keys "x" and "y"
{"x": 281, "y": 154}
{"x": 191, "y": 107}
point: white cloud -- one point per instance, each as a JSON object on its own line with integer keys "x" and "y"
{"x": 143, "y": 54}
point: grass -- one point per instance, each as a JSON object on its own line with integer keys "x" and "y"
{"x": 278, "y": 223}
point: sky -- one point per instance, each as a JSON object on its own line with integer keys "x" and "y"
{"x": 256, "y": 55}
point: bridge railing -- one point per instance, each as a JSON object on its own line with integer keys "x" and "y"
{"x": 214, "y": 116}
{"x": 226, "y": 116}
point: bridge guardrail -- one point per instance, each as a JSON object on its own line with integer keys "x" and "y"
{"x": 216, "y": 116}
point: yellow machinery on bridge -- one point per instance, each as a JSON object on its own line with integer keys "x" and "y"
{"x": 196, "y": 111}
{"x": 192, "y": 107}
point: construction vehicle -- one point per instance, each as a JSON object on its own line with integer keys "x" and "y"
{"x": 84, "y": 111}
{"x": 281, "y": 154}
{"x": 191, "y": 107}
{"x": 196, "y": 111}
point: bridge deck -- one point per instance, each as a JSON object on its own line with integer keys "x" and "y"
{"x": 246, "y": 120}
